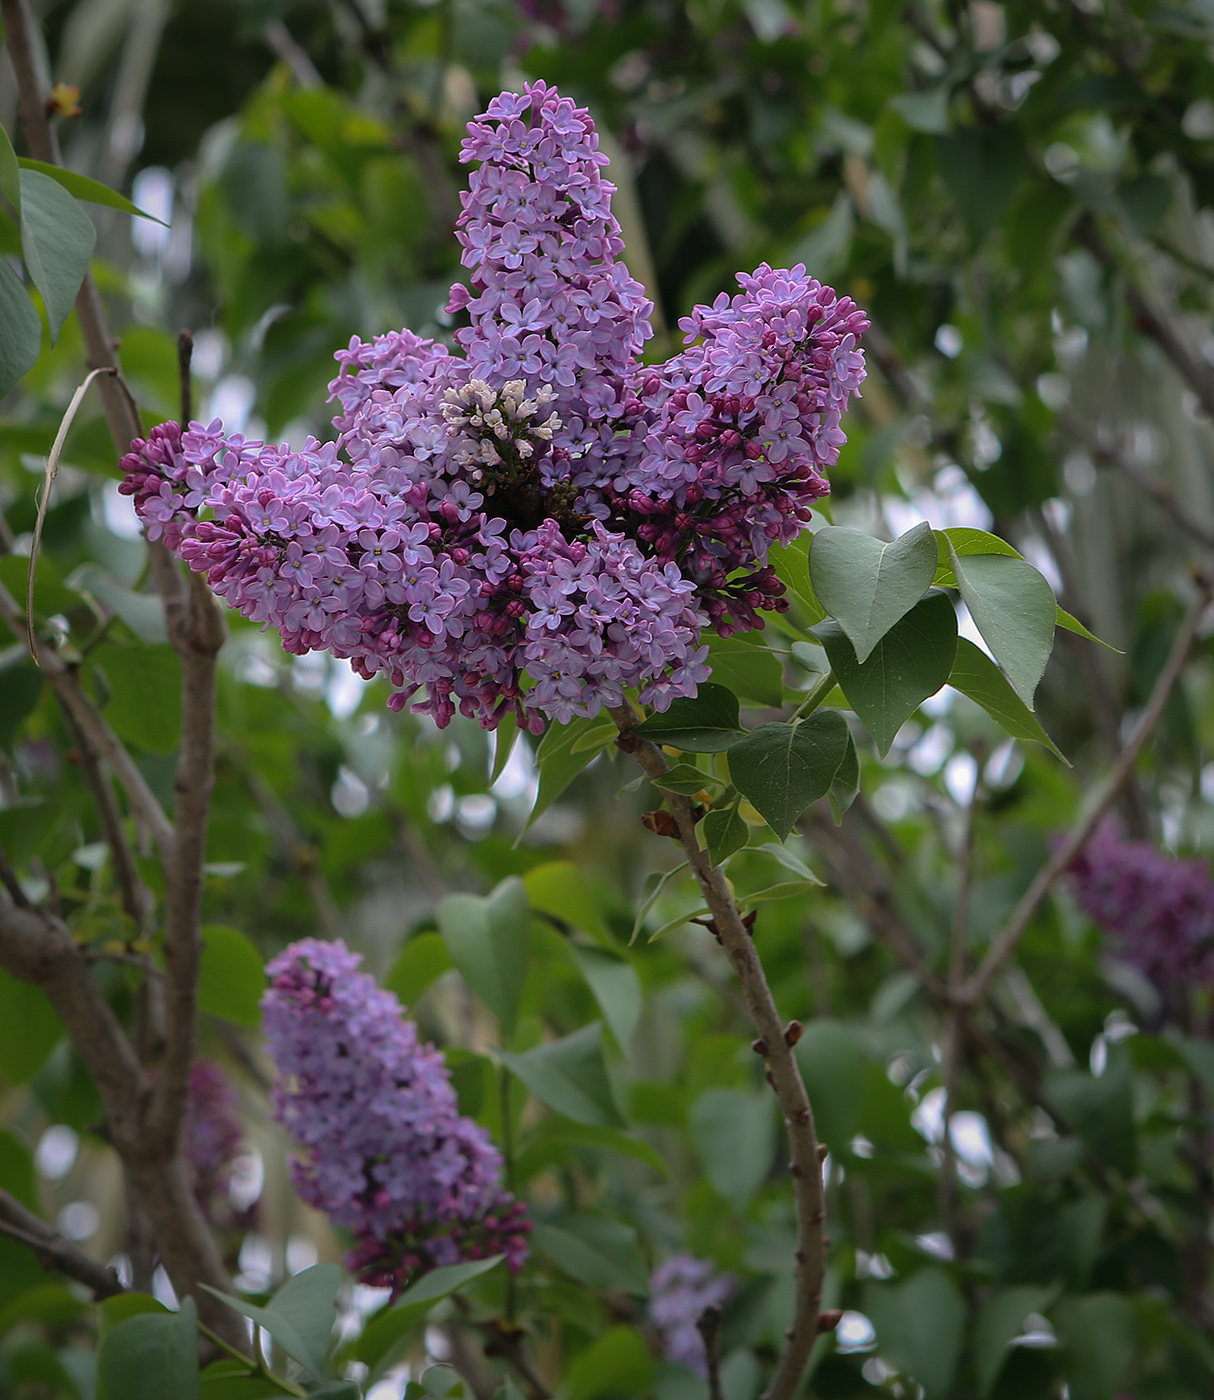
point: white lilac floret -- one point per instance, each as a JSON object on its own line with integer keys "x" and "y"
{"x": 385, "y": 1152}
{"x": 542, "y": 522}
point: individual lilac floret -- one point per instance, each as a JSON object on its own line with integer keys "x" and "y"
{"x": 386, "y": 1153}
{"x": 679, "y": 1291}
{"x": 542, "y": 523}
{"x": 1160, "y": 910}
{"x": 213, "y": 1135}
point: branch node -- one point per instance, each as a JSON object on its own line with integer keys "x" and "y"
{"x": 830, "y": 1319}
{"x": 793, "y": 1032}
{"x": 759, "y": 1047}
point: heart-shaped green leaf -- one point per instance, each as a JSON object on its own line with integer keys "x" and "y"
{"x": 569, "y": 1076}
{"x": 867, "y": 585}
{"x": 705, "y": 723}
{"x": 976, "y": 675}
{"x": 20, "y": 330}
{"x": 781, "y": 768}
{"x": 57, "y": 239}
{"x": 489, "y": 941}
{"x": 911, "y": 662}
{"x": 1014, "y": 609}
{"x": 725, "y": 832}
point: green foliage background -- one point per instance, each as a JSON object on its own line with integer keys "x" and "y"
{"x": 996, "y": 184}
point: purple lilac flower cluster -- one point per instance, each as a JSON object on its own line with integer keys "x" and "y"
{"x": 1159, "y": 909}
{"x": 543, "y": 522}
{"x": 212, "y": 1138}
{"x": 386, "y": 1154}
{"x": 679, "y": 1291}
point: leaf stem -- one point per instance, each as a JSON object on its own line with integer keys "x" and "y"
{"x": 815, "y": 697}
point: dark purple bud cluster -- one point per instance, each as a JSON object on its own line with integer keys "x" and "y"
{"x": 544, "y": 522}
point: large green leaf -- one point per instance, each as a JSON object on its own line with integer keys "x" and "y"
{"x": 93, "y": 191}
{"x": 598, "y": 1252}
{"x": 20, "y": 330}
{"x": 747, "y": 667}
{"x": 976, "y": 675}
{"x": 867, "y": 585}
{"x": 834, "y": 1071}
{"x": 909, "y": 663}
{"x": 419, "y": 963}
{"x": 1002, "y": 1319}
{"x": 919, "y": 1327}
{"x": 489, "y": 940}
{"x": 57, "y": 239}
{"x": 570, "y": 1077}
{"x": 145, "y": 694}
{"x": 617, "y": 989}
{"x": 982, "y": 167}
{"x": 781, "y": 768}
{"x": 152, "y": 1356}
{"x": 707, "y": 723}
{"x": 300, "y": 1316}
{"x": 231, "y": 979}
{"x": 1101, "y": 1110}
{"x": 1098, "y": 1332}
{"x": 561, "y": 756}
{"x": 735, "y": 1133}
{"x": 29, "y": 1029}
{"x": 560, "y": 888}
{"x": 10, "y": 173}
{"x": 387, "y": 1328}
{"x": 616, "y": 1363}
{"x": 1014, "y": 609}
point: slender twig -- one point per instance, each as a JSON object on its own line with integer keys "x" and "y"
{"x": 8, "y": 878}
{"x": 185, "y": 353}
{"x": 708, "y": 1325}
{"x": 775, "y": 1045}
{"x": 1004, "y": 942}
{"x": 28, "y": 1229}
{"x": 293, "y": 54}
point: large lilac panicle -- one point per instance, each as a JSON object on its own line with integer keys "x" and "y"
{"x": 679, "y": 1291}
{"x": 540, "y": 524}
{"x": 1160, "y": 910}
{"x": 385, "y": 1151}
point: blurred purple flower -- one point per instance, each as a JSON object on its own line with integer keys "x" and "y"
{"x": 1159, "y": 910}
{"x": 386, "y": 1153}
{"x": 213, "y": 1135}
{"x": 679, "y": 1291}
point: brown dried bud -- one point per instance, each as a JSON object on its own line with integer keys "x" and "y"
{"x": 627, "y": 743}
{"x": 829, "y": 1319}
{"x": 759, "y": 1047}
{"x": 793, "y": 1032}
{"x": 661, "y": 823}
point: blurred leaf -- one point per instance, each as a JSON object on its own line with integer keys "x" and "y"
{"x": 976, "y": 675}
{"x": 834, "y": 1071}
{"x": 17, "y": 1170}
{"x": 153, "y": 1356}
{"x": 57, "y": 239}
{"x": 421, "y": 962}
{"x": 910, "y": 662}
{"x": 551, "y": 1139}
{"x": 559, "y": 887}
{"x": 617, "y": 989}
{"x": 489, "y": 940}
{"x": 735, "y": 1134}
{"x": 570, "y": 1077}
{"x": 20, "y": 330}
{"x": 866, "y": 585}
{"x": 598, "y": 1252}
{"x": 386, "y": 1328}
{"x": 706, "y": 724}
{"x": 781, "y": 768}
{"x": 1101, "y": 1110}
{"x": 145, "y": 694}
{"x": 117, "y": 1309}
{"x": 231, "y": 979}
{"x": 53, "y": 1305}
{"x": 920, "y": 1324}
{"x": 924, "y": 111}
{"x": 143, "y": 613}
{"x": 982, "y": 169}
{"x": 744, "y": 665}
{"x": 1098, "y": 1332}
{"x": 1000, "y": 1320}
{"x": 617, "y": 1363}
{"x": 300, "y": 1316}
{"x": 29, "y": 1029}
{"x": 10, "y": 172}
{"x": 559, "y": 762}
{"x": 20, "y": 690}
{"x": 1013, "y": 607}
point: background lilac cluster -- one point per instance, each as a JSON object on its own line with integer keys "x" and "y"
{"x": 679, "y": 1291}
{"x": 213, "y": 1136}
{"x": 386, "y": 1153}
{"x": 1160, "y": 910}
{"x": 543, "y": 522}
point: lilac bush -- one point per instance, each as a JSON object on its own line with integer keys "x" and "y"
{"x": 1160, "y": 910}
{"x": 679, "y": 1291}
{"x": 542, "y": 522}
{"x": 385, "y": 1152}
